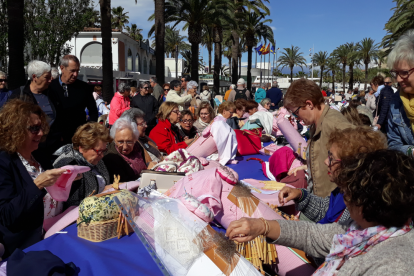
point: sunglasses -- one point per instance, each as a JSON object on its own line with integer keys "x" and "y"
{"x": 100, "y": 152}
{"x": 387, "y": 82}
{"x": 187, "y": 121}
{"x": 3, "y": 80}
{"x": 34, "y": 129}
{"x": 403, "y": 74}
{"x": 331, "y": 159}
{"x": 166, "y": 89}
{"x": 146, "y": 88}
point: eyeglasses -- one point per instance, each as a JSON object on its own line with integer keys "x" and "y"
{"x": 34, "y": 129}
{"x": 143, "y": 124}
{"x": 166, "y": 89}
{"x": 187, "y": 121}
{"x": 403, "y": 74}
{"x": 296, "y": 112}
{"x": 3, "y": 80}
{"x": 176, "y": 111}
{"x": 204, "y": 114}
{"x": 100, "y": 152}
{"x": 331, "y": 159}
{"x": 120, "y": 143}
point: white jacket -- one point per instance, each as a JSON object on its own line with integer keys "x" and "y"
{"x": 205, "y": 95}
{"x": 173, "y": 96}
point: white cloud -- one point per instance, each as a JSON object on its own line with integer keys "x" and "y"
{"x": 273, "y": 28}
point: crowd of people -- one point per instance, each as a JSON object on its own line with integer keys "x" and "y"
{"x": 359, "y": 162}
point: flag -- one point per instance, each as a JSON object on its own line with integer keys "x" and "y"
{"x": 263, "y": 49}
{"x": 257, "y": 49}
{"x": 267, "y": 50}
{"x": 272, "y": 50}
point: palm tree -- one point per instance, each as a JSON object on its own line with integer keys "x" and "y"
{"x": 94, "y": 20}
{"x": 353, "y": 59}
{"x": 333, "y": 67}
{"x": 119, "y": 18}
{"x": 291, "y": 58}
{"x": 254, "y": 29}
{"x": 207, "y": 40}
{"x": 321, "y": 60}
{"x": 16, "y": 43}
{"x": 358, "y": 75}
{"x": 342, "y": 54}
{"x": 134, "y": 32}
{"x": 188, "y": 61}
{"x": 300, "y": 74}
{"x": 368, "y": 51}
{"x": 106, "y": 32}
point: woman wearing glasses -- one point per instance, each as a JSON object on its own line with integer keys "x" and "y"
{"x": 205, "y": 114}
{"x": 305, "y": 101}
{"x": 186, "y": 125}
{"x": 401, "y": 115}
{"x": 147, "y": 103}
{"x": 163, "y": 96}
{"x": 124, "y": 156}
{"x": 166, "y": 134}
{"x": 89, "y": 145}
{"x": 4, "y": 92}
{"x": 22, "y": 180}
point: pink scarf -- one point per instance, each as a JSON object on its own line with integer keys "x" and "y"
{"x": 135, "y": 160}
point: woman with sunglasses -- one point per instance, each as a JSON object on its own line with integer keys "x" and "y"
{"x": 124, "y": 156}
{"x": 400, "y": 130}
{"x": 186, "y": 128}
{"x": 22, "y": 179}
{"x": 4, "y": 92}
{"x": 305, "y": 101}
{"x": 89, "y": 145}
{"x": 147, "y": 103}
{"x": 342, "y": 144}
{"x": 166, "y": 134}
{"x": 163, "y": 96}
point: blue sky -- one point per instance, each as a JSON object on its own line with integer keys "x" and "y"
{"x": 323, "y": 23}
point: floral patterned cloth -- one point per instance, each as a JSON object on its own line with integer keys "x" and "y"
{"x": 184, "y": 163}
{"x": 356, "y": 242}
{"x": 51, "y": 207}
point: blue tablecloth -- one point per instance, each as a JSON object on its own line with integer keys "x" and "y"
{"x": 126, "y": 256}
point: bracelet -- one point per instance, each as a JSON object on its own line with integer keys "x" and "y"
{"x": 267, "y": 228}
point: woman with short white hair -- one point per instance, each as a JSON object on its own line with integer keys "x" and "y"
{"x": 196, "y": 101}
{"x": 4, "y": 92}
{"x": 401, "y": 113}
{"x": 124, "y": 156}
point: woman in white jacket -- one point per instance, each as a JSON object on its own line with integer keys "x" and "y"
{"x": 174, "y": 95}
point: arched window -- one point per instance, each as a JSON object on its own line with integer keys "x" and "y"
{"x": 137, "y": 67}
{"x": 145, "y": 66}
{"x": 92, "y": 54}
{"x": 129, "y": 60}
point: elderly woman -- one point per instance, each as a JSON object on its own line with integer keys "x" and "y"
{"x": 342, "y": 144}
{"x": 4, "y": 92}
{"x": 304, "y": 100}
{"x": 22, "y": 180}
{"x": 382, "y": 220}
{"x": 401, "y": 115}
{"x": 149, "y": 148}
{"x": 196, "y": 100}
{"x": 225, "y": 111}
{"x": 252, "y": 107}
{"x": 120, "y": 103}
{"x": 370, "y": 100}
{"x": 89, "y": 145}
{"x": 166, "y": 134}
{"x": 266, "y": 103}
{"x": 205, "y": 114}
{"x": 124, "y": 157}
{"x": 186, "y": 127}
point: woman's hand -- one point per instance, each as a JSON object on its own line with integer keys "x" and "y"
{"x": 48, "y": 178}
{"x": 287, "y": 194}
{"x": 295, "y": 170}
{"x": 245, "y": 229}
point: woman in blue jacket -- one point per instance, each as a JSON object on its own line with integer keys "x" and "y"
{"x": 260, "y": 94}
{"x": 401, "y": 114}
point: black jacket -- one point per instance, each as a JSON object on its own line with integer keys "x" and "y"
{"x": 384, "y": 100}
{"x": 21, "y": 205}
{"x": 149, "y": 105}
{"x": 275, "y": 95}
{"x": 71, "y": 110}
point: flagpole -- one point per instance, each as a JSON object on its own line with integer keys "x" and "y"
{"x": 261, "y": 59}
{"x": 268, "y": 71}
{"x": 255, "y": 66}
{"x": 273, "y": 64}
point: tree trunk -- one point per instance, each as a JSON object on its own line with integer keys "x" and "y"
{"x": 16, "y": 43}
{"x": 366, "y": 75}
{"x": 107, "y": 71}
{"x": 230, "y": 66}
{"x": 249, "y": 67}
{"x": 333, "y": 82}
{"x": 217, "y": 66}
{"x": 320, "y": 80}
{"x": 194, "y": 62}
{"x": 235, "y": 55}
{"x": 239, "y": 67}
{"x": 209, "y": 49}
{"x": 343, "y": 77}
{"x": 351, "y": 77}
{"x": 291, "y": 75}
{"x": 159, "y": 41}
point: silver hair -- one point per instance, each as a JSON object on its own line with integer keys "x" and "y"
{"x": 192, "y": 84}
{"x": 265, "y": 101}
{"x": 124, "y": 123}
{"x": 64, "y": 61}
{"x": 55, "y": 73}
{"x": 122, "y": 87}
{"x": 37, "y": 68}
{"x": 133, "y": 114}
{"x": 154, "y": 79}
{"x": 274, "y": 84}
{"x": 233, "y": 86}
{"x": 403, "y": 50}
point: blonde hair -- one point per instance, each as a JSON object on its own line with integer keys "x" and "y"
{"x": 165, "y": 110}
{"x": 226, "y": 106}
{"x": 89, "y": 134}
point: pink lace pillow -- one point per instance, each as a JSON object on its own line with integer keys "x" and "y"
{"x": 228, "y": 175}
{"x": 196, "y": 207}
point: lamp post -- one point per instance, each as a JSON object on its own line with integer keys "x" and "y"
{"x": 275, "y": 67}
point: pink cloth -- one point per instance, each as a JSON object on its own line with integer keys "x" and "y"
{"x": 95, "y": 95}
{"x": 261, "y": 108}
{"x": 280, "y": 162}
{"x": 119, "y": 104}
{"x": 272, "y": 148}
{"x": 291, "y": 134}
{"x": 281, "y": 114}
{"x": 134, "y": 159}
{"x": 271, "y": 199}
{"x": 48, "y": 223}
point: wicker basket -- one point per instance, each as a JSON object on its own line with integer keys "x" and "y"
{"x": 98, "y": 231}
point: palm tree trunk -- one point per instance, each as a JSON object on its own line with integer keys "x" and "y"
{"x": 351, "y": 77}
{"x": 230, "y": 66}
{"x": 217, "y": 66}
{"x": 366, "y": 75}
{"x": 159, "y": 40}
{"x": 239, "y": 67}
{"x": 209, "y": 48}
{"x": 249, "y": 67}
{"x": 343, "y": 76}
{"x": 235, "y": 55}
{"x": 16, "y": 43}
{"x": 320, "y": 81}
{"x": 333, "y": 82}
{"x": 107, "y": 71}
{"x": 291, "y": 75}
{"x": 194, "y": 62}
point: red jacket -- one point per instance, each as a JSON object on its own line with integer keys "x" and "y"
{"x": 164, "y": 137}
{"x": 119, "y": 104}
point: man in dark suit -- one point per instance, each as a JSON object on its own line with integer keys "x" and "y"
{"x": 73, "y": 97}
{"x": 275, "y": 95}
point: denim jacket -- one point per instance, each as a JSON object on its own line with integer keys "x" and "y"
{"x": 400, "y": 134}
